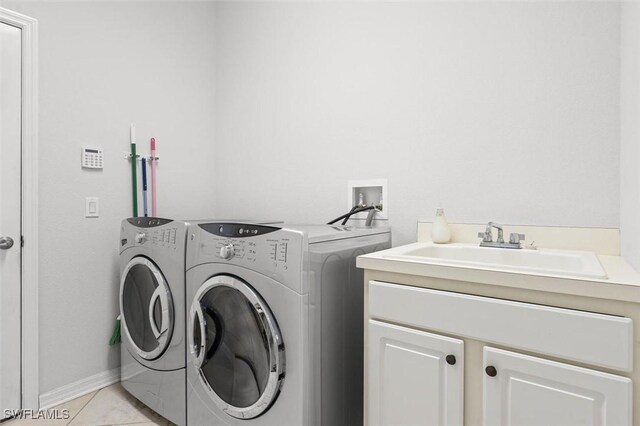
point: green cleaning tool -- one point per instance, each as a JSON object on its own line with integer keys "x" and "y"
{"x": 115, "y": 337}
{"x": 134, "y": 173}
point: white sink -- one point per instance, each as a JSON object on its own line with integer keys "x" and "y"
{"x": 539, "y": 261}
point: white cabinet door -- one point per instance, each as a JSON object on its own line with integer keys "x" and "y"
{"x": 526, "y": 391}
{"x": 415, "y": 378}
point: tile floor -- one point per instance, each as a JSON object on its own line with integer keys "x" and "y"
{"x": 108, "y": 406}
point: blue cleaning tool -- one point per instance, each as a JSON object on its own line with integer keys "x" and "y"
{"x": 144, "y": 186}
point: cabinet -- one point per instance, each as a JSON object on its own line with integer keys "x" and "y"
{"x": 415, "y": 377}
{"x": 529, "y": 391}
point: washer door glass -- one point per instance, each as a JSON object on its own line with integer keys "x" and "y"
{"x": 237, "y": 346}
{"x": 146, "y": 307}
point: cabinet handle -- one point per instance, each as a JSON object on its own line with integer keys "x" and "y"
{"x": 491, "y": 371}
{"x": 451, "y": 359}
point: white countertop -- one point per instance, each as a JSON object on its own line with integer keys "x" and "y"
{"x": 623, "y": 282}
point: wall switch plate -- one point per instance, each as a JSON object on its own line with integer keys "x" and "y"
{"x": 92, "y": 207}
{"x": 374, "y": 191}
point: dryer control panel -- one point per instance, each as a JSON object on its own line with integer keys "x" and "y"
{"x": 148, "y": 222}
{"x": 164, "y": 237}
{"x": 152, "y": 232}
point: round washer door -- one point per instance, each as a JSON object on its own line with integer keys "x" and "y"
{"x": 146, "y": 308}
{"x": 236, "y": 346}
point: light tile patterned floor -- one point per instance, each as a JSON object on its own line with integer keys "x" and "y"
{"x": 108, "y": 406}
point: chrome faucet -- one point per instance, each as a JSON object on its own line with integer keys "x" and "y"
{"x": 487, "y": 238}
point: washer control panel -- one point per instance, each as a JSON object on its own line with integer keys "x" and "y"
{"x": 276, "y": 250}
{"x": 237, "y": 230}
{"x": 265, "y": 249}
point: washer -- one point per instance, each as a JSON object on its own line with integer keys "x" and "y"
{"x": 274, "y": 327}
{"x": 152, "y": 313}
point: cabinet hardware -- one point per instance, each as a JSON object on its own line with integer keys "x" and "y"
{"x": 451, "y": 359}
{"x": 491, "y": 371}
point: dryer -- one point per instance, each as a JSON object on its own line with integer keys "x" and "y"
{"x": 152, "y": 313}
{"x": 275, "y": 323}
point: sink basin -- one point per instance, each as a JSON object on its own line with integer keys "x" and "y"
{"x": 540, "y": 261}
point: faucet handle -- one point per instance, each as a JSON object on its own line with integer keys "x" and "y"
{"x": 515, "y": 238}
{"x": 486, "y": 237}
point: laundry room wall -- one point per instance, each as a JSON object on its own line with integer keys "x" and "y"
{"x": 505, "y": 111}
{"x": 630, "y": 132}
{"x": 104, "y": 65}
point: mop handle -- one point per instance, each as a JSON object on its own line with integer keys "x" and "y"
{"x": 144, "y": 186}
{"x": 154, "y": 209}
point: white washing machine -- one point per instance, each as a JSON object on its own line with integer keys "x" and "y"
{"x": 152, "y": 309}
{"x": 275, "y": 323}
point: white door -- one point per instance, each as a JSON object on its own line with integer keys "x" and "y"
{"x": 10, "y": 134}
{"x": 528, "y": 391}
{"x": 415, "y": 377}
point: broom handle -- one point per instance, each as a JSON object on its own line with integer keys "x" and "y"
{"x": 154, "y": 208}
{"x": 134, "y": 173}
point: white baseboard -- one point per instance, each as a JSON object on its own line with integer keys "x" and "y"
{"x": 79, "y": 388}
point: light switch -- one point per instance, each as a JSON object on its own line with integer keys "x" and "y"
{"x": 92, "y": 207}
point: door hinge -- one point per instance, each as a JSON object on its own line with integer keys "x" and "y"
{"x": 21, "y": 240}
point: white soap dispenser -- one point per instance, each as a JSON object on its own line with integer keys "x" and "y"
{"x": 440, "y": 232}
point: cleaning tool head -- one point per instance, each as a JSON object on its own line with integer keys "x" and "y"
{"x": 115, "y": 336}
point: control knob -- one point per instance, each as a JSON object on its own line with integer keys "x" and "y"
{"x": 227, "y": 251}
{"x": 141, "y": 238}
